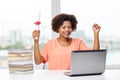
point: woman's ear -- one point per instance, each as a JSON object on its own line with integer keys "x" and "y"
{"x": 57, "y": 30}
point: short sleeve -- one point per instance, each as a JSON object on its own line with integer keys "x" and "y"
{"x": 44, "y": 52}
{"x": 83, "y": 46}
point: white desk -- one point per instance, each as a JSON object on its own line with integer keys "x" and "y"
{"x": 58, "y": 75}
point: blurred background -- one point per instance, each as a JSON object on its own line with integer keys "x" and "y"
{"x": 17, "y": 19}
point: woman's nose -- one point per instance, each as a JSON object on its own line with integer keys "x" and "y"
{"x": 67, "y": 29}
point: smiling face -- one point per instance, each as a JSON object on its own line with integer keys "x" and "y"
{"x": 65, "y": 29}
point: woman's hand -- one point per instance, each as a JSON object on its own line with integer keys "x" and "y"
{"x": 96, "y": 28}
{"x": 35, "y": 34}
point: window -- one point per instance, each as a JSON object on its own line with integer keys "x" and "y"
{"x": 17, "y": 23}
{"x": 106, "y": 14}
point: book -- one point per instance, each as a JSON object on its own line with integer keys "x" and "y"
{"x": 22, "y": 72}
{"x": 20, "y": 68}
{"x": 19, "y": 54}
{"x": 20, "y": 62}
{"x": 29, "y": 57}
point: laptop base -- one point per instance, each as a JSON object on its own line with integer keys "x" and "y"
{"x": 72, "y": 75}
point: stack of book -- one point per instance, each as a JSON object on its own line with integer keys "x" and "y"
{"x": 20, "y": 62}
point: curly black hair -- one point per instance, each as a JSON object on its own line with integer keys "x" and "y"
{"x": 58, "y": 20}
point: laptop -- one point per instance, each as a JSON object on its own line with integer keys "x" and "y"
{"x": 87, "y": 62}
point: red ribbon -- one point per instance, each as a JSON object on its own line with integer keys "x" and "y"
{"x": 37, "y": 22}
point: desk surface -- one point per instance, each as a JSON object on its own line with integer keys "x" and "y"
{"x": 58, "y": 75}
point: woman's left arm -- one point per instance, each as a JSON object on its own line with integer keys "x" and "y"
{"x": 96, "y": 28}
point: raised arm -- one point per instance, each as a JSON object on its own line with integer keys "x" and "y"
{"x": 38, "y": 58}
{"x": 96, "y": 28}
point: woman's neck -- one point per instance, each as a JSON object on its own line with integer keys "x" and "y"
{"x": 64, "y": 41}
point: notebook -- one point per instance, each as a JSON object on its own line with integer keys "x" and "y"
{"x": 87, "y": 62}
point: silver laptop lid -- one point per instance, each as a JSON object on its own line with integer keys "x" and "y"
{"x": 88, "y": 62}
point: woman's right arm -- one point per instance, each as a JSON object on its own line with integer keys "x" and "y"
{"x": 38, "y": 58}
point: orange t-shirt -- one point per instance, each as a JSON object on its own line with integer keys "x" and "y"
{"x": 57, "y": 56}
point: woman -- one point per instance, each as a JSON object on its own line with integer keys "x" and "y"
{"x": 57, "y": 51}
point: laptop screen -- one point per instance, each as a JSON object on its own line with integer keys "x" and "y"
{"x": 88, "y": 61}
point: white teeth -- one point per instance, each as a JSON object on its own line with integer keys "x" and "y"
{"x": 66, "y": 33}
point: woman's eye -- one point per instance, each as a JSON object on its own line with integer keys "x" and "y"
{"x": 70, "y": 27}
{"x": 63, "y": 27}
